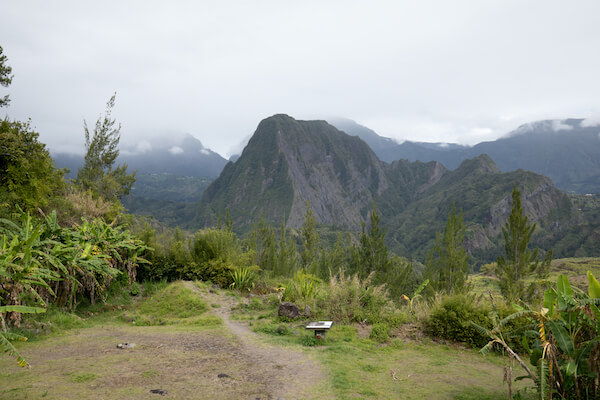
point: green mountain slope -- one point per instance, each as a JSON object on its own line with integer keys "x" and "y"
{"x": 288, "y": 162}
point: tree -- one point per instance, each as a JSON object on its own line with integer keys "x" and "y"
{"x": 518, "y": 262}
{"x": 28, "y": 177}
{"x": 446, "y": 266}
{"x": 5, "y": 77}
{"x": 287, "y": 257}
{"x": 310, "y": 240}
{"x": 97, "y": 173}
{"x": 372, "y": 253}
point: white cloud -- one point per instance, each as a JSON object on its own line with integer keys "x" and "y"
{"x": 559, "y": 125}
{"x": 175, "y": 150}
{"x": 143, "y": 147}
{"x": 205, "y": 152}
{"x": 417, "y": 75}
{"x": 592, "y": 121}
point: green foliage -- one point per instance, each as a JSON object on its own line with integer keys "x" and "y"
{"x": 5, "y": 77}
{"x": 28, "y": 178}
{"x": 244, "y": 278}
{"x": 452, "y": 319}
{"x": 372, "y": 251}
{"x": 302, "y": 288}
{"x": 380, "y": 332}
{"x": 348, "y": 299}
{"x": 40, "y": 260}
{"x": 97, "y": 173}
{"x": 519, "y": 261}
{"x": 448, "y": 263}
{"x": 6, "y": 337}
{"x": 174, "y": 304}
{"x": 310, "y": 240}
{"x": 561, "y": 339}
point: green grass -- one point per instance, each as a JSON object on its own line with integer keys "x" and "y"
{"x": 574, "y": 268}
{"x": 175, "y": 304}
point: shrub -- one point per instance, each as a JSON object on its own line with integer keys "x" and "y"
{"x": 452, "y": 320}
{"x": 380, "y": 332}
{"x": 302, "y": 288}
{"x": 350, "y": 299}
{"x": 243, "y": 278}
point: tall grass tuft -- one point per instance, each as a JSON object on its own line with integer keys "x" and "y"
{"x": 350, "y": 299}
{"x": 243, "y": 278}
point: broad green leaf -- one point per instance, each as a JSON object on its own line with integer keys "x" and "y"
{"x": 594, "y": 287}
{"x": 550, "y": 300}
{"x": 23, "y": 309}
{"x": 562, "y": 337}
{"x": 564, "y": 287}
{"x": 571, "y": 368}
{"x": 7, "y": 347}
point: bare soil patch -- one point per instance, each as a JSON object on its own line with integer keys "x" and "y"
{"x": 170, "y": 362}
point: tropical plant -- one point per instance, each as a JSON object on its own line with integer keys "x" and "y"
{"x": 243, "y": 278}
{"x": 564, "y": 345}
{"x": 416, "y": 295}
{"x": 6, "y": 337}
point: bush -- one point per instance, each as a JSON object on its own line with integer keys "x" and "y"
{"x": 349, "y": 299}
{"x": 380, "y": 332}
{"x": 452, "y": 320}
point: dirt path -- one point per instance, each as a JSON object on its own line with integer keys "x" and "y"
{"x": 172, "y": 362}
{"x": 291, "y": 374}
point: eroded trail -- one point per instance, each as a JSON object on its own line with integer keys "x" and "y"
{"x": 288, "y": 373}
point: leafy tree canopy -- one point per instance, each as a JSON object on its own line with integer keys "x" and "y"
{"x": 28, "y": 177}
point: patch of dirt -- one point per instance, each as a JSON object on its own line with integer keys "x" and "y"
{"x": 229, "y": 362}
{"x": 290, "y": 373}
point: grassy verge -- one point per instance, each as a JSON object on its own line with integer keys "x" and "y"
{"x": 361, "y": 366}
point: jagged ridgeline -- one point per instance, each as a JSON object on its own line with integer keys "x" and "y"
{"x": 288, "y": 162}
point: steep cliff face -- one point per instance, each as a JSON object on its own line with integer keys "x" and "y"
{"x": 289, "y": 162}
{"x": 339, "y": 175}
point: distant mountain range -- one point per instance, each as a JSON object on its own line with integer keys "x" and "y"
{"x": 288, "y": 163}
{"x": 181, "y": 155}
{"x": 567, "y": 151}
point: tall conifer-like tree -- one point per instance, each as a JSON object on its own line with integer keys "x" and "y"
{"x": 447, "y": 265}
{"x": 97, "y": 173}
{"x": 519, "y": 262}
{"x": 310, "y": 240}
{"x": 372, "y": 251}
{"x": 5, "y": 77}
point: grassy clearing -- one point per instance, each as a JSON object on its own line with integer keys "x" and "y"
{"x": 175, "y": 304}
{"x": 360, "y": 367}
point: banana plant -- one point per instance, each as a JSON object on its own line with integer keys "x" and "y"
{"x": 565, "y": 344}
{"x": 416, "y": 295}
{"x": 7, "y": 337}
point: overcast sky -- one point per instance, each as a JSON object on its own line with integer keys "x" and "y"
{"x": 449, "y": 71}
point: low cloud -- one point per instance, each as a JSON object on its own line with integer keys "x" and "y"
{"x": 205, "y": 152}
{"x": 175, "y": 150}
{"x": 592, "y": 121}
{"x": 559, "y": 125}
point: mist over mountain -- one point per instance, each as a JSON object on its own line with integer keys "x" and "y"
{"x": 567, "y": 151}
{"x": 176, "y": 154}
